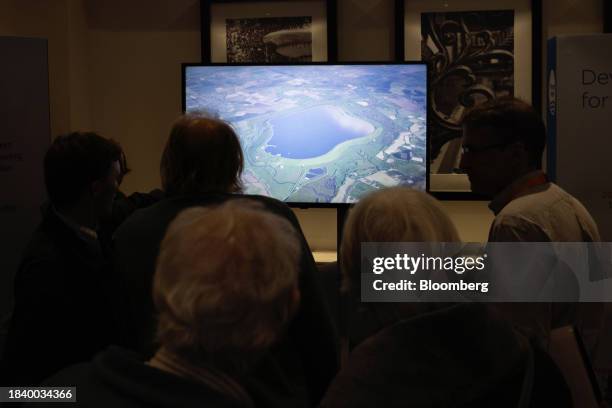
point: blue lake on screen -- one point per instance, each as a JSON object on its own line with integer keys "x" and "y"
{"x": 320, "y": 133}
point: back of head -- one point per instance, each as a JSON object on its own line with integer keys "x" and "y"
{"x": 397, "y": 214}
{"x": 202, "y": 155}
{"x": 226, "y": 282}
{"x": 515, "y": 121}
{"x": 73, "y": 162}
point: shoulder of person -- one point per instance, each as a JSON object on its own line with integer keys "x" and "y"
{"x": 272, "y": 204}
{"x": 516, "y": 227}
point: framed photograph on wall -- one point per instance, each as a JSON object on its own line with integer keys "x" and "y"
{"x": 477, "y": 50}
{"x": 268, "y": 32}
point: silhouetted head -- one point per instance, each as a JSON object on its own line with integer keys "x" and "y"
{"x": 502, "y": 140}
{"x": 202, "y": 155}
{"x": 82, "y": 168}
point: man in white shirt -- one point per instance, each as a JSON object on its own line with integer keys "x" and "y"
{"x": 503, "y": 143}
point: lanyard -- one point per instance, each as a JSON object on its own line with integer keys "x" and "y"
{"x": 528, "y": 184}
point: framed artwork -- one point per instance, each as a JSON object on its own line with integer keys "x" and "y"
{"x": 273, "y": 31}
{"x": 477, "y": 50}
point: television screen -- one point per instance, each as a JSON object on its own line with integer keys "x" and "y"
{"x": 320, "y": 133}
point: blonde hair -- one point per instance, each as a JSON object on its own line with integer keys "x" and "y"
{"x": 226, "y": 281}
{"x": 397, "y": 214}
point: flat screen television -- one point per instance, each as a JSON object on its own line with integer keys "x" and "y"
{"x": 320, "y": 134}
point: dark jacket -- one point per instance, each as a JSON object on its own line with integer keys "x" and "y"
{"x": 307, "y": 357}
{"x": 460, "y": 356}
{"x": 62, "y": 312}
{"x": 119, "y": 378}
{"x": 123, "y": 207}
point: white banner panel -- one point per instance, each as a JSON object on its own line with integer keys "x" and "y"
{"x": 24, "y": 138}
{"x": 580, "y": 121}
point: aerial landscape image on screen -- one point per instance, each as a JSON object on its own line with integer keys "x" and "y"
{"x": 320, "y": 133}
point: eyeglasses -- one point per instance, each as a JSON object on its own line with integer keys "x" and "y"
{"x": 465, "y": 149}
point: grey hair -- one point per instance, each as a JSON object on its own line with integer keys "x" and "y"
{"x": 226, "y": 281}
{"x": 397, "y": 214}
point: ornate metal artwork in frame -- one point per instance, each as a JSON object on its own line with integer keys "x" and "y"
{"x": 477, "y": 50}
{"x": 471, "y": 59}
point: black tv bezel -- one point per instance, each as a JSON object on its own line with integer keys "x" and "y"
{"x": 295, "y": 204}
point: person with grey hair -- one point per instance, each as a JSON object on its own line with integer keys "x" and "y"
{"x": 225, "y": 289}
{"x": 431, "y": 354}
{"x": 202, "y": 165}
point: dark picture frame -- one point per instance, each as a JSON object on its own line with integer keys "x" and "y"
{"x": 322, "y": 13}
{"x": 607, "y": 17}
{"x": 527, "y": 60}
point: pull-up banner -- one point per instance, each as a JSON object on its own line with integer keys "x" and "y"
{"x": 24, "y": 138}
{"x": 580, "y": 121}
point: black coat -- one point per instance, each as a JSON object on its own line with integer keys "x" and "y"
{"x": 62, "y": 313}
{"x": 119, "y": 378}
{"x": 461, "y": 356}
{"x": 307, "y": 357}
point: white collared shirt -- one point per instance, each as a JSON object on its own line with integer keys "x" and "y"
{"x": 88, "y": 235}
{"x": 543, "y": 213}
